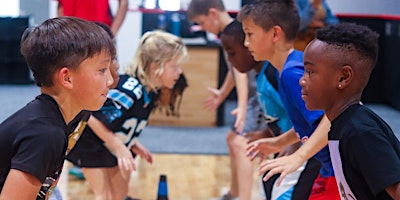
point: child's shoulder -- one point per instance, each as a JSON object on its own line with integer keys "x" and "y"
{"x": 293, "y": 66}
{"x": 361, "y": 118}
{"x": 295, "y": 59}
{"x": 39, "y": 120}
{"x": 127, "y": 82}
{"x": 128, "y": 89}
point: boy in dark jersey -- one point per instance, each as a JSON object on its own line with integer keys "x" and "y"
{"x": 364, "y": 151}
{"x": 65, "y": 55}
{"x": 232, "y": 39}
{"x": 104, "y": 150}
{"x": 270, "y": 28}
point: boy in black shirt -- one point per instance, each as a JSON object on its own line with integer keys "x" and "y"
{"x": 364, "y": 151}
{"x": 70, "y": 60}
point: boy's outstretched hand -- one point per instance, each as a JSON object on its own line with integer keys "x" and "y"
{"x": 262, "y": 148}
{"x": 126, "y": 162}
{"x": 125, "y": 159}
{"x": 283, "y": 165}
{"x": 240, "y": 114}
{"x": 213, "y": 102}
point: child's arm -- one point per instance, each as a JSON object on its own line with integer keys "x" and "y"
{"x": 17, "y": 180}
{"x": 219, "y": 95}
{"x": 119, "y": 16}
{"x": 288, "y": 164}
{"x": 242, "y": 90}
{"x": 115, "y": 145}
{"x": 266, "y": 146}
{"x": 142, "y": 151}
{"x": 60, "y": 10}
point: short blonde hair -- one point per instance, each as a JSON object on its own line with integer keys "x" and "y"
{"x": 156, "y": 47}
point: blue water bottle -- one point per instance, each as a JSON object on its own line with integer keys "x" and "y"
{"x": 162, "y": 188}
{"x": 175, "y": 24}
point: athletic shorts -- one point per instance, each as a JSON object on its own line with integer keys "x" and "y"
{"x": 255, "y": 120}
{"x": 90, "y": 152}
{"x": 325, "y": 188}
{"x": 297, "y": 185}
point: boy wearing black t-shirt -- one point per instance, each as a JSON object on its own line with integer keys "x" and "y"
{"x": 64, "y": 54}
{"x": 364, "y": 151}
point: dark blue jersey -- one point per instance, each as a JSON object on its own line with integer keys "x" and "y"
{"x": 127, "y": 109}
{"x": 125, "y": 113}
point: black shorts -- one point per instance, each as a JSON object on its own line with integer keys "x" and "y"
{"x": 90, "y": 151}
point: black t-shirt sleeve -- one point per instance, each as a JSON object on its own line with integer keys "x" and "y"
{"x": 375, "y": 158}
{"x": 40, "y": 149}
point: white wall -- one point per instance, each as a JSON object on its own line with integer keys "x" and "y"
{"x": 232, "y": 5}
{"x": 9, "y": 8}
{"x": 128, "y": 38}
{"x": 129, "y": 34}
{"x": 37, "y": 10}
{"x": 388, "y": 7}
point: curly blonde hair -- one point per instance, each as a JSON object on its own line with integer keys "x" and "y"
{"x": 156, "y": 48}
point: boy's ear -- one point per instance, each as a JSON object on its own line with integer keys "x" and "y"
{"x": 64, "y": 77}
{"x": 278, "y": 33}
{"x": 213, "y": 12}
{"x": 346, "y": 76}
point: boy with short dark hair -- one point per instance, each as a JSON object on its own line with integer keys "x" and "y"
{"x": 364, "y": 151}
{"x": 64, "y": 54}
{"x": 212, "y": 16}
{"x": 232, "y": 39}
{"x": 270, "y": 28}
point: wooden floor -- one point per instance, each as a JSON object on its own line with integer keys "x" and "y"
{"x": 197, "y": 177}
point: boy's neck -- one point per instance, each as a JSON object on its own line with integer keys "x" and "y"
{"x": 279, "y": 58}
{"x": 63, "y": 102}
{"x": 225, "y": 20}
{"x": 341, "y": 104}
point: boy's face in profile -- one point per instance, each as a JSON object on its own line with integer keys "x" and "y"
{"x": 91, "y": 81}
{"x": 319, "y": 82}
{"x": 208, "y": 22}
{"x": 257, "y": 40}
{"x": 238, "y": 55}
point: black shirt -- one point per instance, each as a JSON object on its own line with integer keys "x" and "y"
{"x": 34, "y": 140}
{"x": 365, "y": 154}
